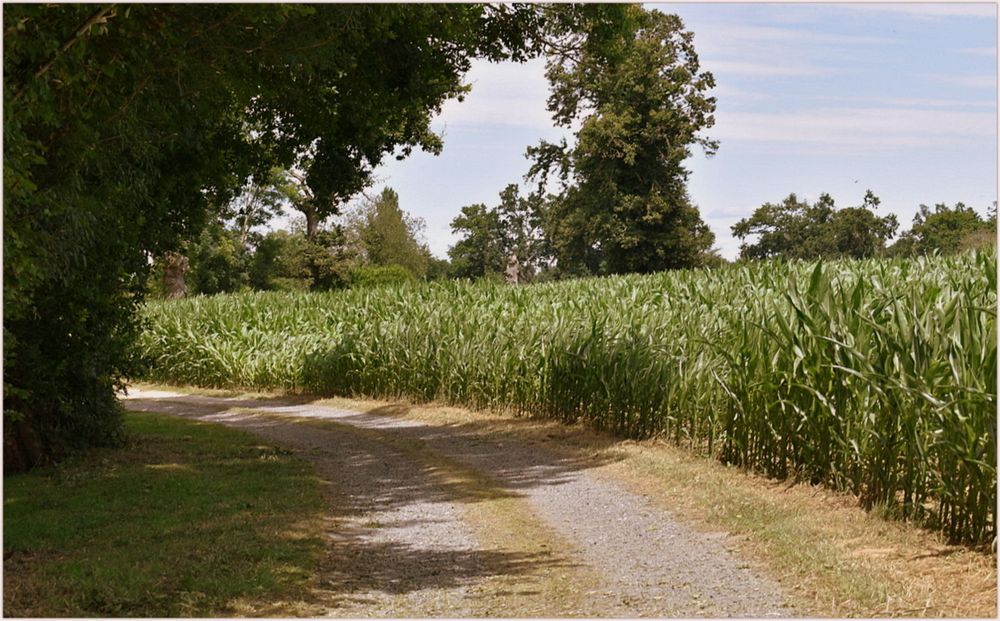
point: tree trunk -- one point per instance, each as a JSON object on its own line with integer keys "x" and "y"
{"x": 175, "y": 265}
{"x": 22, "y": 448}
{"x": 312, "y": 223}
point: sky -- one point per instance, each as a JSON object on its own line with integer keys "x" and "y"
{"x": 812, "y": 98}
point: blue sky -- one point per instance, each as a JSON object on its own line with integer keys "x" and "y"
{"x": 812, "y": 98}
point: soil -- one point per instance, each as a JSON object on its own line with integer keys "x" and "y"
{"x": 430, "y": 520}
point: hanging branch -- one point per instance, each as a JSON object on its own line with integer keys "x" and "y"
{"x": 99, "y": 17}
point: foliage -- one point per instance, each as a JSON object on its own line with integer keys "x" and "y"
{"x": 633, "y": 82}
{"x": 480, "y": 251}
{"x": 877, "y": 377}
{"x": 946, "y": 230}
{"x": 182, "y": 522}
{"x": 387, "y": 235}
{"x": 218, "y": 261}
{"x": 491, "y": 235}
{"x": 124, "y": 123}
{"x": 437, "y": 269}
{"x": 258, "y": 202}
{"x": 794, "y": 229}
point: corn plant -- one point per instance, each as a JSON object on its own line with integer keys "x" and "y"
{"x": 875, "y": 377}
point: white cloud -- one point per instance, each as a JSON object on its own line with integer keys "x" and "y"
{"x": 913, "y": 102}
{"x": 733, "y": 94}
{"x": 868, "y": 127}
{"x": 979, "y": 51}
{"x": 511, "y": 94}
{"x": 756, "y": 34}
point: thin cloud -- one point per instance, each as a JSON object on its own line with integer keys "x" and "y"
{"x": 776, "y": 69}
{"x": 983, "y": 80}
{"x": 990, "y": 52}
{"x": 730, "y": 32}
{"x": 930, "y": 11}
{"x": 503, "y": 94}
{"x": 910, "y": 102}
{"x": 868, "y": 127}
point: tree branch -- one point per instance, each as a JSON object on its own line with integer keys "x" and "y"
{"x": 99, "y": 17}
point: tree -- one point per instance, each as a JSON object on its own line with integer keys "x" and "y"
{"x": 946, "y": 230}
{"x": 633, "y": 82}
{"x": 480, "y": 251}
{"x": 492, "y": 235}
{"x": 257, "y": 204}
{"x": 388, "y": 236}
{"x": 123, "y": 124}
{"x": 218, "y": 261}
{"x": 795, "y": 229}
{"x": 293, "y": 186}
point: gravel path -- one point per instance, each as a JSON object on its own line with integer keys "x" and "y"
{"x": 428, "y": 520}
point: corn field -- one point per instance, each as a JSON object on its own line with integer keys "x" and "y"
{"x": 875, "y": 377}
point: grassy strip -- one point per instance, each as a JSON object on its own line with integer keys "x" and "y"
{"x": 191, "y": 519}
{"x": 500, "y": 522}
{"x": 835, "y": 559}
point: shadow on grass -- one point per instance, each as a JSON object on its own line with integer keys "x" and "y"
{"x": 406, "y": 474}
{"x": 184, "y": 520}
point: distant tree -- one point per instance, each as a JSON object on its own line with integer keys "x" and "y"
{"x": 521, "y": 230}
{"x": 633, "y": 82}
{"x": 481, "y": 250}
{"x": 218, "y": 261}
{"x": 437, "y": 269}
{"x": 293, "y": 186}
{"x": 258, "y": 202}
{"x": 380, "y": 276}
{"x": 386, "y": 235}
{"x": 491, "y": 235}
{"x": 795, "y": 229}
{"x": 946, "y": 230}
{"x": 712, "y": 258}
{"x": 265, "y": 265}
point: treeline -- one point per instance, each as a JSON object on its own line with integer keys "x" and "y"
{"x": 374, "y": 242}
{"x": 796, "y": 229}
{"x": 377, "y": 242}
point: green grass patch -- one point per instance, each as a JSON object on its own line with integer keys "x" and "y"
{"x": 190, "y": 519}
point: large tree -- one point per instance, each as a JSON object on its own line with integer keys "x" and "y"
{"x": 632, "y": 80}
{"x": 124, "y": 123}
{"x": 796, "y": 229}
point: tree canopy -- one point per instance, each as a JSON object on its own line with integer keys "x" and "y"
{"x": 796, "y": 229}
{"x": 491, "y": 235}
{"x": 632, "y": 80}
{"x": 124, "y": 124}
{"x": 947, "y": 230}
{"x": 386, "y": 235}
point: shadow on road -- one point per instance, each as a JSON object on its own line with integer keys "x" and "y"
{"x": 394, "y": 485}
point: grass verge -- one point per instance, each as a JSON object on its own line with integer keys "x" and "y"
{"x": 501, "y": 522}
{"x": 834, "y": 558}
{"x": 190, "y": 519}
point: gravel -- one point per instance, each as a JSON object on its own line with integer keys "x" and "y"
{"x": 401, "y": 546}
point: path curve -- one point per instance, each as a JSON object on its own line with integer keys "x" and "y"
{"x": 446, "y": 520}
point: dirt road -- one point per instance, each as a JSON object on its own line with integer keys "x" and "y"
{"x": 445, "y": 520}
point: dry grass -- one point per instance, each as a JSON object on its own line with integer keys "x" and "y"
{"x": 501, "y": 522}
{"x": 834, "y": 558}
